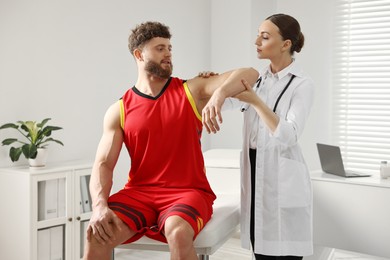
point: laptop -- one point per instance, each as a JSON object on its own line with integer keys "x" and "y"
{"x": 332, "y": 162}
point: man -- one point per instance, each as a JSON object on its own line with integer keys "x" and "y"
{"x": 167, "y": 196}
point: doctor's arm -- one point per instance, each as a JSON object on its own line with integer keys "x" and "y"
{"x": 285, "y": 129}
{"x": 291, "y": 127}
{"x": 249, "y": 96}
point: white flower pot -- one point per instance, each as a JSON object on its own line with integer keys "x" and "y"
{"x": 40, "y": 160}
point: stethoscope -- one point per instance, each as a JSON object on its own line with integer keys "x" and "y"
{"x": 246, "y": 106}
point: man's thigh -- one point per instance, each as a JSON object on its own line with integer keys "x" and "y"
{"x": 135, "y": 210}
{"x": 145, "y": 211}
{"x": 193, "y": 206}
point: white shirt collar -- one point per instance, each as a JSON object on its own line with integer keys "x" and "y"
{"x": 293, "y": 68}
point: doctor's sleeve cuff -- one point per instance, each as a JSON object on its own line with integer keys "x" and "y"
{"x": 285, "y": 133}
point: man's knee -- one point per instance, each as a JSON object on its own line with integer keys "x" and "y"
{"x": 94, "y": 248}
{"x": 178, "y": 229}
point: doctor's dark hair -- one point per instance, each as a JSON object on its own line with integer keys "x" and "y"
{"x": 289, "y": 29}
{"x": 144, "y": 32}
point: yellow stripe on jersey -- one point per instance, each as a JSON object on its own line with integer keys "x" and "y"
{"x": 122, "y": 113}
{"x": 192, "y": 102}
{"x": 199, "y": 220}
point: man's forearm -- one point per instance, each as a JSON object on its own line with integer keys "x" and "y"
{"x": 233, "y": 84}
{"x": 100, "y": 186}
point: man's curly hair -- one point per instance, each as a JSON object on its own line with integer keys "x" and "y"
{"x": 144, "y": 32}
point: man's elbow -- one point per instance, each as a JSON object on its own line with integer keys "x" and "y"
{"x": 253, "y": 75}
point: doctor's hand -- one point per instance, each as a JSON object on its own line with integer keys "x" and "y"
{"x": 248, "y": 95}
{"x": 101, "y": 225}
{"x": 207, "y": 74}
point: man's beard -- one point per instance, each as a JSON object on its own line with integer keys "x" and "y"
{"x": 155, "y": 69}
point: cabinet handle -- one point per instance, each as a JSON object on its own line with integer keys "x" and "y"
{"x": 70, "y": 219}
{"x": 78, "y": 218}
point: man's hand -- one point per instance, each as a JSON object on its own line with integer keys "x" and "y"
{"x": 212, "y": 108}
{"x": 212, "y": 111}
{"x": 101, "y": 225}
{"x": 225, "y": 85}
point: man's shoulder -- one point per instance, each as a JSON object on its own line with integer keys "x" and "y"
{"x": 177, "y": 80}
{"x": 195, "y": 82}
{"x": 128, "y": 93}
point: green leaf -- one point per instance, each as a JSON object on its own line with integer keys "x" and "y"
{"x": 29, "y": 151}
{"x": 44, "y": 121}
{"x": 47, "y": 130}
{"x": 52, "y": 140}
{"x": 9, "y": 126}
{"x": 9, "y": 141}
{"x": 14, "y": 153}
{"x": 32, "y": 128}
{"x": 58, "y": 142}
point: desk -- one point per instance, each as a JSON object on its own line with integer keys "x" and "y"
{"x": 352, "y": 213}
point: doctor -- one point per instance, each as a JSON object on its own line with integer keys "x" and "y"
{"x": 276, "y": 194}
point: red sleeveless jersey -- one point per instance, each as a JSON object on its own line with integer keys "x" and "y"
{"x": 162, "y": 135}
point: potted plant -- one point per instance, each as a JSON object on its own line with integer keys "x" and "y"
{"x": 36, "y": 137}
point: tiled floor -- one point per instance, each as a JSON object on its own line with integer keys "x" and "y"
{"x": 231, "y": 250}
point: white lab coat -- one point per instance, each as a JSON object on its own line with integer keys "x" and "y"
{"x": 283, "y": 210}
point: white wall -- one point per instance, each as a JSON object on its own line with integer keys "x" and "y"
{"x": 68, "y": 60}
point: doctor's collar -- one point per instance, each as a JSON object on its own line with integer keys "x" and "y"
{"x": 279, "y": 75}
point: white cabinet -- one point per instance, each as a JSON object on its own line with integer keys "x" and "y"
{"x": 44, "y": 211}
{"x": 352, "y": 214}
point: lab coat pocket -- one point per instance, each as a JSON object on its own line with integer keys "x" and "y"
{"x": 294, "y": 185}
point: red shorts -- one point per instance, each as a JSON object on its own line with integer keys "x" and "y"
{"x": 145, "y": 210}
